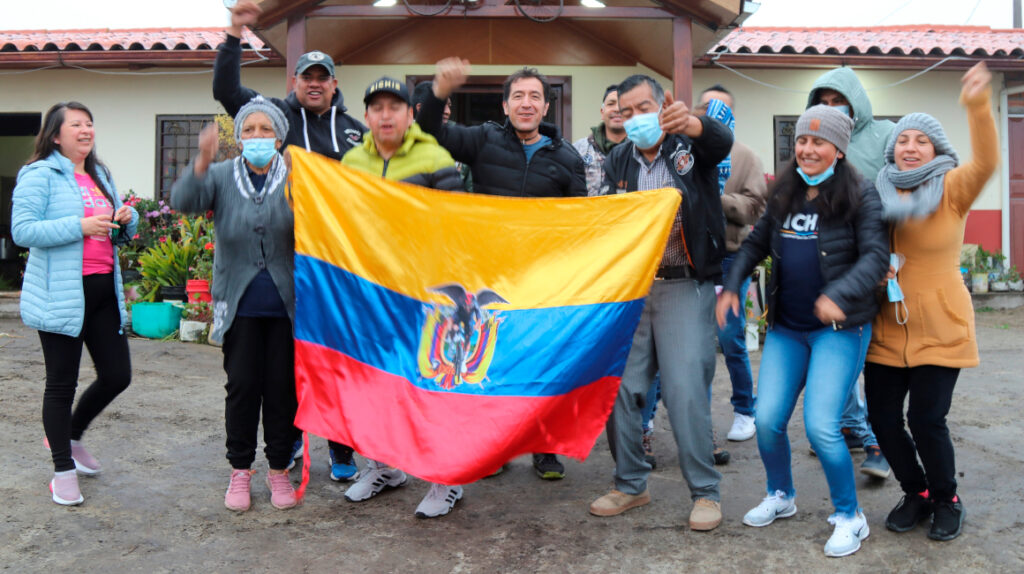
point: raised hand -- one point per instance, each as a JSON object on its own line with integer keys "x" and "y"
{"x": 677, "y": 119}
{"x": 450, "y": 75}
{"x": 244, "y": 13}
{"x": 207, "y": 149}
{"x": 974, "y": 82}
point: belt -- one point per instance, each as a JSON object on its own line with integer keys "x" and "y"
{"x": 676, "y": 272}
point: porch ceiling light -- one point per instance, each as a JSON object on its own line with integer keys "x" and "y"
{"x": 592, "y": 3}
{"x": 385, "y": 3}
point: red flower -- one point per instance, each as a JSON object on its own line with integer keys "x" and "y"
{"x": 163, "y": 240}
{"x": 208, "y": 246}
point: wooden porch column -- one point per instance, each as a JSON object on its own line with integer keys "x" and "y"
{"x": 682, "y": 62}
{"x": 296, "y": 45}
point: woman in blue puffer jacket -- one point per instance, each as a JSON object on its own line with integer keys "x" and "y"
{"x": 67, "y": 211}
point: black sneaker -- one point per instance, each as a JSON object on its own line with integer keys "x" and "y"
{"x": 912, "y": 509}
{"x": 948, "y": 519}
{"x": 548, "y": 466}
{"x": 721, "y": 455}
{"x": 853, "y": 442}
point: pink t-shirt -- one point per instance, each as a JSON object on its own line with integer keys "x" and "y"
{"x": 98, "y": 252}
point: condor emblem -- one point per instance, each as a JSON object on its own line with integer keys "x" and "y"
{"x": 457, "y": 341}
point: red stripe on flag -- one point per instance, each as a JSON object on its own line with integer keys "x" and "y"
{"x": 444, "y": 437}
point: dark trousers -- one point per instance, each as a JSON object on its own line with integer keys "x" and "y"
{"x": 931, "y": 391}
{"x": 259, "y": 359}
{"x": 62, "y": 356}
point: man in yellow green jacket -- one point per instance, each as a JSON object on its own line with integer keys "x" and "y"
{"x": 396, "y": 148}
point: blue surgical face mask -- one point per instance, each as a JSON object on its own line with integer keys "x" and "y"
{"x": 815, "y": 180}
{"x": 843, "y": 108}
{"x": 894, "y": 292}
{"x": 644, "y": 129}
{"x": 259, "y": 151}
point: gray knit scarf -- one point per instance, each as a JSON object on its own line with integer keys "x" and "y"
{"x": 925, "y": 181}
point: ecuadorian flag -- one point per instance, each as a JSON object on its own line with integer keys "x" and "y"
{"x": 446, "y": 333}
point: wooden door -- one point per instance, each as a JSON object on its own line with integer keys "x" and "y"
{"x": 1016, "y": 135}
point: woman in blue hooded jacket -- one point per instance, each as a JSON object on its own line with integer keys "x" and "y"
{"x": 67, "y": 212}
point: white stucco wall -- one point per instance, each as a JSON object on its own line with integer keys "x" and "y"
{"x": 126, "y": 106}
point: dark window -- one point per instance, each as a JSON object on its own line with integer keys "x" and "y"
{"x": 785, "y": 143}
{"x": 177, "y": 143}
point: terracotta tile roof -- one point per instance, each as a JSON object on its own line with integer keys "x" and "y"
{"x": 916, "y": 40}
{"x": 146, "y": 39}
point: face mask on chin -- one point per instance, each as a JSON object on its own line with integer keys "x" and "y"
{"x": 259, "y": 151}
{"x": 815, "y": 180}
{"x": 644, "y": 130}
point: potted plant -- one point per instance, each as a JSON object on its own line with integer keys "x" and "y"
{"x": 195, "y": 322}
{"x": 201, "y": 273}
{"x": 998, "y": 281}
{"x": 980, "y": 267}
{"x": 165, "y": 266}
{"x": 1013, "y": 280}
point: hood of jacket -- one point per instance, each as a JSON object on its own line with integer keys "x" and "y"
{"x": 845, "y": 81}
{"x": 867, "y": 144}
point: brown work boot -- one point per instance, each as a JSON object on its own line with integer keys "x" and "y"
{"x": 616, "y": 502}
{"x": 706, "y": 514}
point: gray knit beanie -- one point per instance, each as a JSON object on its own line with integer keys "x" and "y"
{"x": 927, "y": 125}
{"x": 259, "y": 104}
{"x": 827, "y": 123}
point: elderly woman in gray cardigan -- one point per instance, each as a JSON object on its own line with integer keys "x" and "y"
{"x": 253, "y": 297}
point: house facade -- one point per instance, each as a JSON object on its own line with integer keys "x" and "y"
{"x": 150, "y": 91}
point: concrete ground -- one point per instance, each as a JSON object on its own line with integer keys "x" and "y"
{"x": 158, "y": 506}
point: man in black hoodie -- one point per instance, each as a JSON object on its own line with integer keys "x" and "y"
{"x": 315, "y": 108}
{"x": 316, "y": 121}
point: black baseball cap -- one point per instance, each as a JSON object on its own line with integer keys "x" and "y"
{"x": 387, "y": 85}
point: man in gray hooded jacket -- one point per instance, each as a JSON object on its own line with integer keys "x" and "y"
{"x": 840, "y": 88}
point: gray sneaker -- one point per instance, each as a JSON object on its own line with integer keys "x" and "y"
{"x": 373, "y": 480}
{"x": 439, "y": 501}
{"x": 875, "y": 464}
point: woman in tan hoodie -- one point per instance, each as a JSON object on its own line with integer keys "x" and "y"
{"x": 920, "y": 342}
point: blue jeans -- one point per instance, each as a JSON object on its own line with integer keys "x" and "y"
{"x": 733, "y": 340}
{"x": 825, "y": 362}
{"x": 855, "y": 412}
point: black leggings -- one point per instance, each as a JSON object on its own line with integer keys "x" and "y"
{"x": 931, "y": 392}
{"x": 62, "y": 355}
{"x": 259, "y": 359}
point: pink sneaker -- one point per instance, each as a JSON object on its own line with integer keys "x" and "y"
{"x": 282, "y": 494}
{"x": 64, "y": 488}
{"x": 237, "y": 496}
{"x": 85, "y": 463}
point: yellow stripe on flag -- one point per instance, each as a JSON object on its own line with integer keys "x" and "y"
{"x": 534, "y": 252}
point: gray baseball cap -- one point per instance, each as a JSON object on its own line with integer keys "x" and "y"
{"x": 314, "y": 58}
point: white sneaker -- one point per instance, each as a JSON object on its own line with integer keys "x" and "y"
{"x": 773, "y": 506}
{"x": 742, "y": 428}
{"x": 439, "y": 501}
{"x": 376, "y": 478}
{"x": 845, "y": 539}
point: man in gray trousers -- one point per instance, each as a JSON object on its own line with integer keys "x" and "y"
{"x": 676, "y": 334}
